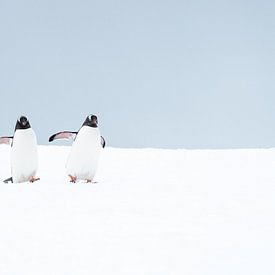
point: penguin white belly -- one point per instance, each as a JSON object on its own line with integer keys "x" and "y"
{"x": 24, "y": 156}
{"x": 83, "y": 158}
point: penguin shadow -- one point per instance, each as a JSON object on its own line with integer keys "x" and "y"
{"x": 10, "y": 180}
{"x": 82, "y": 182}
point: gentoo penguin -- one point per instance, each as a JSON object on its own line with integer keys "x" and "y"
{"x": 83, "y": 159}
{"x": 24, "y": 156}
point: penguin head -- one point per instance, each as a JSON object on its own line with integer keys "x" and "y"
{"x": 22, "y": 123}
{"x": 91, "y": 121}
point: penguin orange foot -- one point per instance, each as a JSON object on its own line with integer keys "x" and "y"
{"x": 72, "y": 178}
{"x": 33, "y": 179}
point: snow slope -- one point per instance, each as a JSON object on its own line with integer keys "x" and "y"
{"x": 151, "y": 212}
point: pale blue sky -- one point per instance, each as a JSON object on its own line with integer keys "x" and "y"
{"x": 170, "y": 74}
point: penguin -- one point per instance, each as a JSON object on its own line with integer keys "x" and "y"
{"x": 85, "y": 151}
{"x": 24, "y": 155}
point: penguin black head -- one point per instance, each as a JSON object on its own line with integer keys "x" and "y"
{"x": 91, "y": 121}
{"x": 22, "y": 123}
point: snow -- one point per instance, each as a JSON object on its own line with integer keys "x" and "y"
{"x": 151, "y": 211}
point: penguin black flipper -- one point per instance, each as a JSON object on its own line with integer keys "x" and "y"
{"x": 103, "y": 142}
{"x": 6, "y": 140}
{"x": 8, "y": 180}
{"x": 63, "y": 135}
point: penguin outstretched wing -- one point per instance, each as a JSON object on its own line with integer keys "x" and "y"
{"x": 63, "y": 135}
{"x": 71, "y": 136}
{"x": 6, "y": 140}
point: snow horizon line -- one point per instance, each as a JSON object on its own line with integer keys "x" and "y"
{"x": 173, "y": 149}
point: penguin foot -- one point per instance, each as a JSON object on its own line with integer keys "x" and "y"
{"x": 72, "y": 178}
{"x": 88, "y": 181}
{"x": 33, "y": 179}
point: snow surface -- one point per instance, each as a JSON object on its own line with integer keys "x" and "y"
{"x": 151, "y": 212}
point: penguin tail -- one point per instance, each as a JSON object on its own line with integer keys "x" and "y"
{"x": 8, "y": 180}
